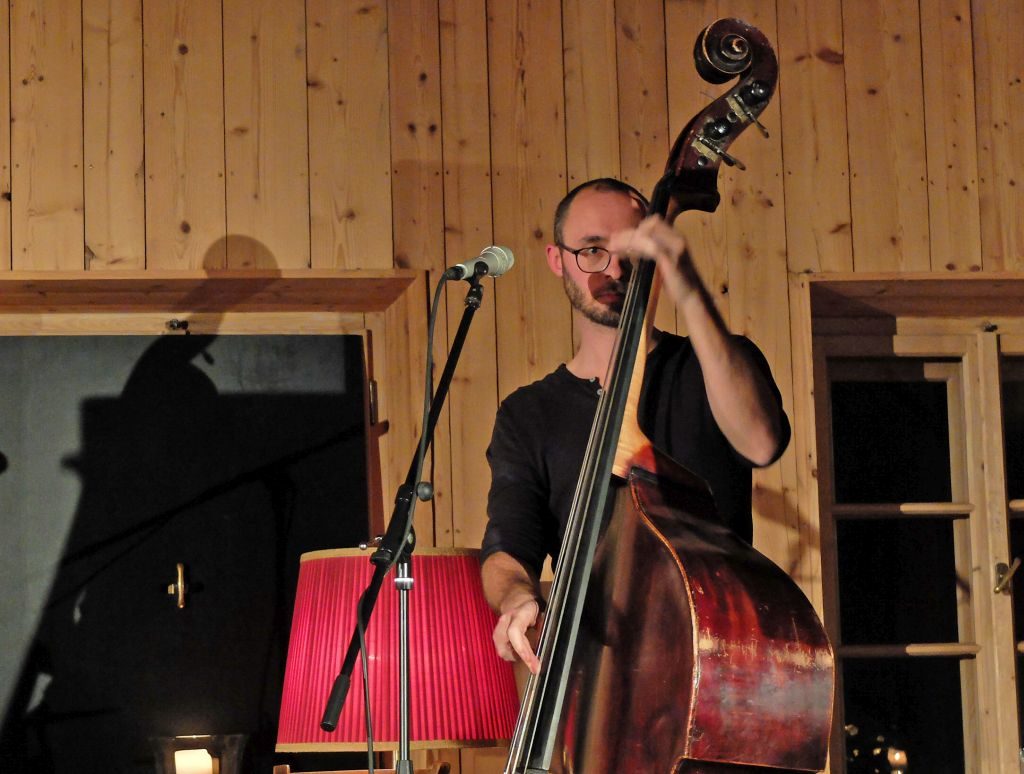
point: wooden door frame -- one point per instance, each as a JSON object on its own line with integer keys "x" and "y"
{"x": 961, "y": 306}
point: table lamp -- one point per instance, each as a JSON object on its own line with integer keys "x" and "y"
{"x": 462, "y": 693}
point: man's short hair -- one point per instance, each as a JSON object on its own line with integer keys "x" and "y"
{"x": 599, "y": 184}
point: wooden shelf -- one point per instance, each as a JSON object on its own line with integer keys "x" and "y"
{"x": 202, "y": 291}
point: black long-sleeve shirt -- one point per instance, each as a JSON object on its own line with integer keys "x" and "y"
{"x": 540, "y": 437}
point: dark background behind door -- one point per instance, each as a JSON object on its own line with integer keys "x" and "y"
{"x": 126, "y": 455}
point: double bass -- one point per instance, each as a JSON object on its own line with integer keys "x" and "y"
{"x": 670, "y": 644}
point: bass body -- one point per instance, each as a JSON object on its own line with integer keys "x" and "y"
{"x": 696, "y": 654}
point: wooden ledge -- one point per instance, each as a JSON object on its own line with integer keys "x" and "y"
{"x": 892, "y": 295}
{"x": 295, "y": 290}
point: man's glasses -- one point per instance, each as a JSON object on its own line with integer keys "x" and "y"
{"x": 591, "y": 259}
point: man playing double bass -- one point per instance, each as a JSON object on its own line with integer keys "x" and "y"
{"x": 709, "y": 400}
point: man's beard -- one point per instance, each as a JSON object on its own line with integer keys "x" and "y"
{"x": 592, "y": 309}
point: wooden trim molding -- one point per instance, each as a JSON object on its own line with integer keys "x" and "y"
{"x": 915, "y": 294}
{"x": 359, "y": 290}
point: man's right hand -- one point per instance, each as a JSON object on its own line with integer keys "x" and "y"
{"x": 510, "y": 634}
{"x": 514, "y": 594}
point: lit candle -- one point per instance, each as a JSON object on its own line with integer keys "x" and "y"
{"x": 193, "y": 762}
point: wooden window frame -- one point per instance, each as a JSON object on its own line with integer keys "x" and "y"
{"x": 362, "y": 302}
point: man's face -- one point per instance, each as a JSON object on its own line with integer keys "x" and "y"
{"x": 593, "y": 217}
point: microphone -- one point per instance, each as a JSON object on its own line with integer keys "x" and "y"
{"x": 496, "y": 260}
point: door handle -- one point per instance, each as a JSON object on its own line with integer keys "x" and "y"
{"x": 1004, "y": 574}
{"x": 179, "y": 588}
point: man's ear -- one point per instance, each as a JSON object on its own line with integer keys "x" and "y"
{"x": 554, "y": 256}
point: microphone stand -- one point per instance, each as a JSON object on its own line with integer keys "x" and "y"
{"x": 396, "y": 549}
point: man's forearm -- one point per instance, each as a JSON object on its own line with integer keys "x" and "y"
{"x": 740, "y": 397}
{"x": 507, "y": 583}
{"x": 514, "y": 593}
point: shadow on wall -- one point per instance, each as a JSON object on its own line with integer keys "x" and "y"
{"x": 775, "y": 507}
{"x": 234, "y": 483}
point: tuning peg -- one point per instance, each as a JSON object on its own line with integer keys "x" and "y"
{"x": 759, "y": 125}
{"x": 739, "y": 106}
{"x": 707, "y": 147}
{"x": 732, "y": 161}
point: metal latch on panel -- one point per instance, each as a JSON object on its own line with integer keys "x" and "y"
{"x": 179, "y": 588}
{"x": 1004, "y": 574}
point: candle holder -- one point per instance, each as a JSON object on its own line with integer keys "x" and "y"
{"x": 199, "y": 754}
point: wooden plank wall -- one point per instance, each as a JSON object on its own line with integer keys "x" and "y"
{"x": 172, "y": 134}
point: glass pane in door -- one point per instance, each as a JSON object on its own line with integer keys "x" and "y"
{"x": 1013, "y": 426}
{"x": 890, "y": 441}
{"x": 897, "y": 574}
{"x": 1013, "y": 440}
{"x": 909, "y": 704}
{"x": 897, "y": 581}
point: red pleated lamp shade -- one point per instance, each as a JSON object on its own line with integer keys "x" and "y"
{"x": 462, "y": 693}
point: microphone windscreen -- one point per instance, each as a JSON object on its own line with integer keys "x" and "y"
{"x": 502, "y": 257}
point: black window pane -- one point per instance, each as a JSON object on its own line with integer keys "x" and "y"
{"x": 1013, "y": 441}
{"x": 890, "y": 442}
{"x": 1013, "y": 425}
{"x": 1017, "y": 549}
{"x": 897, "y": 581}
{"x": 913, "y": 704}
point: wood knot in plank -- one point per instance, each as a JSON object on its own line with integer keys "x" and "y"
{"x": 829, "y": 56}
